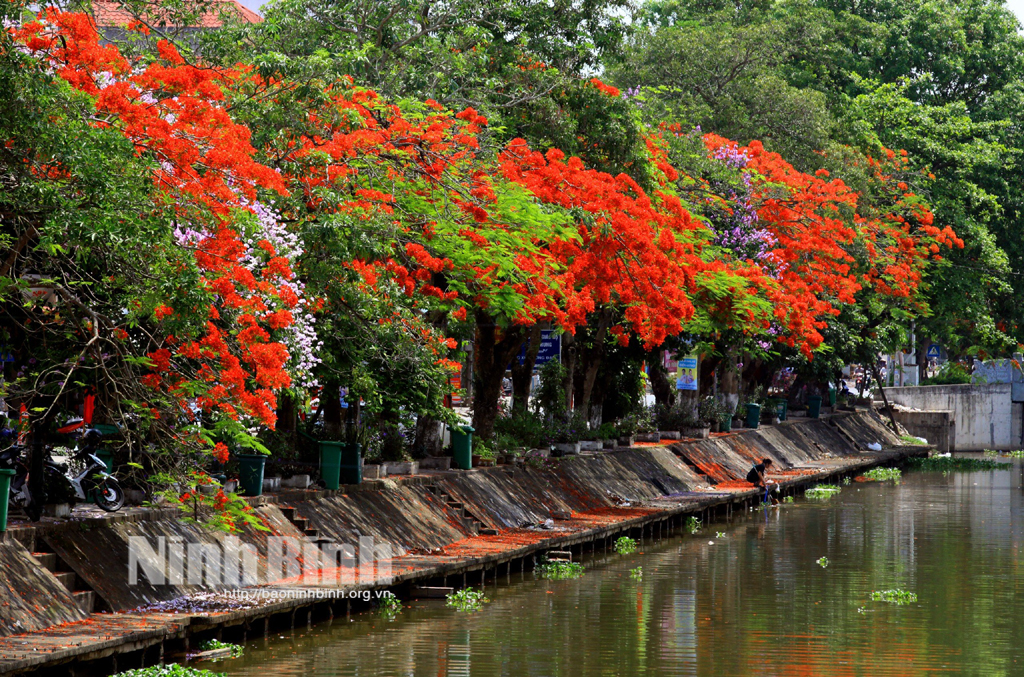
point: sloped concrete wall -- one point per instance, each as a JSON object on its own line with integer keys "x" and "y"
{"x": 31, "y": 598}
{"x": 983, "y": 414}
{"x": 411, "y": 516}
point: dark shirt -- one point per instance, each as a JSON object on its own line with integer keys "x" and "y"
{"x": 756, "y": 473}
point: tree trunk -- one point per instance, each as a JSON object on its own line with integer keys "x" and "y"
{"x": 591, "y": 361}
{"x": 569, "y": 361}
{"x": 330, "y": 400}
{"x": 494, "y": 350}
{"x": 522, "y": 374}
{"x": 664, "y": 392}
{"x": 428, "y": 437}
{"x": 729, "y": 386}
{"x": 885, "y": 400}
{"x": 922, "y": 359}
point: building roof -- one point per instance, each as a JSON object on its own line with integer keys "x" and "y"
{"x": 110, "y": 13}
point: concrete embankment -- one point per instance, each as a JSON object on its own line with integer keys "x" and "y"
{"x": 67, "y": 598}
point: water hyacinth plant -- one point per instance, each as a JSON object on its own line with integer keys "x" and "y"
{"x": 169, "y": 670}
{"x": 625, "y": 545}
{"x": 898, "y": 597}
{"x": 693, "y": 524}
{"x": 822, "y": 491}
{"x": 637, "y": 574}
{"x": 788, "y": 499}
{"x": 823, "y": 562}
{"x": 558, "y": 570}
{"x": 215, "y": 644}
{"x": 390, "y": 606}
{"x": 884, "y": 474}
{"x": 944, "y": 463}
{"x": 467, "y": 599}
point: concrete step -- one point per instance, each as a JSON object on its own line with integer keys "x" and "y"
{"x": 488, "y": 531}
{"x": 456, "y": 505}
{"x": 312, "y": 533}
{"x": 67, "y": 579}
{"x": 300, "y": 523}
{"x": 47, "y": 560}
{"x": 86, "y": 600}
{"x": 289, "y": 513}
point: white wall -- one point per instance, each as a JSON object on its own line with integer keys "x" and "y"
{"x": 984, "y": 415}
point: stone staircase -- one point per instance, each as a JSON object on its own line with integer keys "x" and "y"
{"x": 86, "y": 598}
{"x": 468, "y": 520}
{"x": 302, "y": 524}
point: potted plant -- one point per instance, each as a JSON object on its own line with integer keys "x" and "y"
{"x": 483, "y": 456}
{"x": 565, "y": 435}
{"x": 589, "y": 441}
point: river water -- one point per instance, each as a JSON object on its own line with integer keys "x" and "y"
{"x": 752, "y": 601}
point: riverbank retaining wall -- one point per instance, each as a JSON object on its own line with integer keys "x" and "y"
{"x": 421, "y": 514}
{"x": 983, "y": 415}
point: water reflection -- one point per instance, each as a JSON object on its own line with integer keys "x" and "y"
{"x": 752, "y": 603}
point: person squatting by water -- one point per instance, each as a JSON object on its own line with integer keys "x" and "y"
{"x": 756, "y": 476}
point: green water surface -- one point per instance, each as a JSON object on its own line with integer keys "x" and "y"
{"x": 754, "y": 602}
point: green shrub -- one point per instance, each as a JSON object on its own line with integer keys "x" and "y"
{"x": 951, "y": 373}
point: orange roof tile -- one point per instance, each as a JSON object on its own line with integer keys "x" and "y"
{"x": 109, "y": 13}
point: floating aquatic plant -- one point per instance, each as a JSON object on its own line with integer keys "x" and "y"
{"x": 991, "y": 453}
{"x": 823, "y": 491}
{"x": 637, "y": 574}
{"x": 1017, "y": 453}
{"x": 719, "y": 534}
{"x": 846, "y": 481}
{"x": 946, "y": 463}
{"x": 884, "y": 474}
{"x": 467, "y": 599}
{"x": 558, "y": 570}
{"x": 693, "y": 524}
{"x": 215, "y": 644}
{"x": 823, "y": 561}
{"x": 169, "y": 670}
{"x": 389, "y": 607}
{"x": 788, "y": 499}
{"x": 624, "y": 545}
{"x": 899, "y": 597}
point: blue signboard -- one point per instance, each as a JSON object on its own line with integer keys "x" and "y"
{"x": 550, "y": 348}
{"x": 933, "y": 351}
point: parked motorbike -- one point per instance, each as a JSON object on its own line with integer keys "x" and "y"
{"x": 60, "y": 482}
{"x": 93, "y": 479}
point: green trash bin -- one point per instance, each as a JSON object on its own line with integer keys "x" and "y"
{"x": 753, "y": 415}
{"x": 5, "y": 493}
{"x": 462, "y": 446}
{"x": 330, "y": 463}
{"x": 352, "y": 464}
{"x": 725, "y": 423}
{"x": 831, "y": 397}
{"x": 779, "y": 405}
{"x": 107, "y": 456}
{"x": 814, "y": 406}
{"x": 250, "y": 473}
